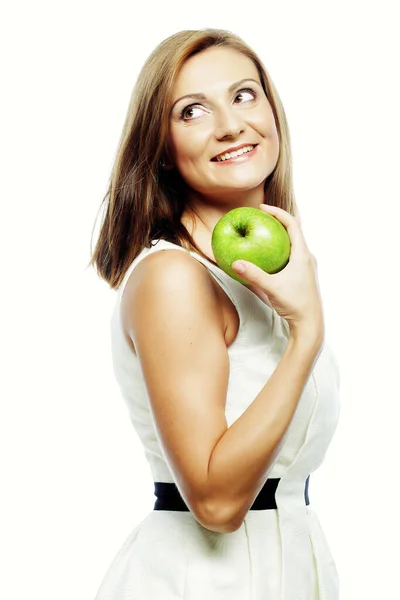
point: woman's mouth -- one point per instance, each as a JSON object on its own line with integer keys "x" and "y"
{"x": 236, "y": 156}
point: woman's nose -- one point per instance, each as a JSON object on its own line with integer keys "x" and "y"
{"x": 227, "y": 124}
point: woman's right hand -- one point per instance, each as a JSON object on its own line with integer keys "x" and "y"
{"x": 293, "y": 292}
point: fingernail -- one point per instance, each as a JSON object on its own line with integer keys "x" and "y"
{"x": 239, "y": 267}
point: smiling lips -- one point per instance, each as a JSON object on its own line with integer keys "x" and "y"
{"x": 234, "y": 152}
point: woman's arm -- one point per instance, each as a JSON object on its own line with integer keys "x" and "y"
{"x": 242, "y": 458}
{"x": 177, "y": 327}
{"x": 176, "y": 324}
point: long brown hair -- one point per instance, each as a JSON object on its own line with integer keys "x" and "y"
{"x": 144, "y": 201}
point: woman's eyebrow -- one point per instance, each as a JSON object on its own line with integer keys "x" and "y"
{"x": 198, "y": 96}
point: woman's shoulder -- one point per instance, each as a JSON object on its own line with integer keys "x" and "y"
{"x": 155, "y": 247}
{"x": 157, "y": 270}
{"x": 166, "y": 283}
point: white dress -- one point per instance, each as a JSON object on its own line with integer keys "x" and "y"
{"x": 276, "y": 554}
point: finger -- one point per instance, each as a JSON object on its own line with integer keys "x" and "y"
{"x": 291, "y": 223}
{"x": 251, "y": 273}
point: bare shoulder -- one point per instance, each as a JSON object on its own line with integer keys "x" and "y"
{"x": 166, "y": 265}
{"x": 174, "y": 276}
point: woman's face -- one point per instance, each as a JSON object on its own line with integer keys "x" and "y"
{"x": 225, "y": 107}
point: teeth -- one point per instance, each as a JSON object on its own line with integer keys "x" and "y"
{"x": 222, "y": 157}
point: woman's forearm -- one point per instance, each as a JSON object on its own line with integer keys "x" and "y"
{"x": 241, "y": 460}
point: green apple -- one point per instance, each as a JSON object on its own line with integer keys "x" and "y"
{"x": 251, "y": 234}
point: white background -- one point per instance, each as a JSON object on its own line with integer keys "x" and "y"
{"x": 74, "y": 478}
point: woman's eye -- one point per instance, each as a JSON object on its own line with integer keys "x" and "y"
{"x": 186, "y": 112}
{"x": 247, "y": 91}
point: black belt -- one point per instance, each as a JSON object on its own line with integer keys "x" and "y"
{"x": 169, "y": 498}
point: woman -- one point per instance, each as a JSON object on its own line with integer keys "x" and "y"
{"x": 230, "y": 387}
